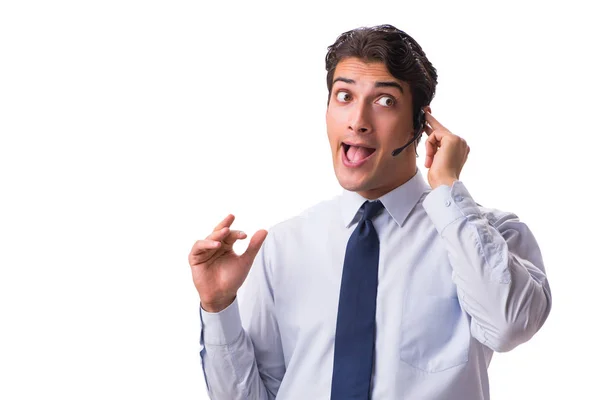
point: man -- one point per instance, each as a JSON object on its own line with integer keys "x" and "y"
{"x": 397, "y": 288}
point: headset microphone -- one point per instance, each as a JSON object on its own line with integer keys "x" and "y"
{"x": 420, "y": 126}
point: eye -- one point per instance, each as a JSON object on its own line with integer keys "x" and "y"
{"x": 386, "y": 101}
{"x": 343, "y": 96}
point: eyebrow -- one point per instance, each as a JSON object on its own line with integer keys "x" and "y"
{"x": 377, "y": 84}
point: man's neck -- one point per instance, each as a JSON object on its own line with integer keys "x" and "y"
{"x": 380, "y": 191}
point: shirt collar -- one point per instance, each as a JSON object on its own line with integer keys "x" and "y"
{"x": 398, "y": 202}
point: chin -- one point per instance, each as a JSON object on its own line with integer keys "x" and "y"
{"x": 353, "y": 184}
{"x": 351, "y": 187}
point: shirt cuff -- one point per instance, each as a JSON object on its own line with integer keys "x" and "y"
{"x": 223, "y": 327}
{"x": 446, "y": 204}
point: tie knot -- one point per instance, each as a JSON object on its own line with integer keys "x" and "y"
{"x": 371, "y": 208}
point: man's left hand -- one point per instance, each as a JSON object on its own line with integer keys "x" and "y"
{"x": 446, "y": 153}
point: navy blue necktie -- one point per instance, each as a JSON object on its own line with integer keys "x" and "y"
{"x": 355, "y": 330}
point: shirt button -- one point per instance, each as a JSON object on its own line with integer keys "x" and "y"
{"x": 447, "y": 203}
{"x": 458, "y": 198}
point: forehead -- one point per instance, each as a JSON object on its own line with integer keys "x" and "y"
{"x": 359, "y": 70}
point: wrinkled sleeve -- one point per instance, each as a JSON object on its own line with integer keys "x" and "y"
{"x": 244, "y": 362}
{"x": 497, "y": 267}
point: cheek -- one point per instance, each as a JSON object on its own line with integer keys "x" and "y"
{"x": 393, "y": 129}
{"x": 335, "y": 127}
{"x": 332, "y": 120}
{"x": 387, "y": 130}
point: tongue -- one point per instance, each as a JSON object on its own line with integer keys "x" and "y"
{"x": 356, "y": 154}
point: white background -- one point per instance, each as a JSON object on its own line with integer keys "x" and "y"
{"x": 130, "y": 128}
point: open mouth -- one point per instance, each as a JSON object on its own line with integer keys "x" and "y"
{"x": 357, "y": 154}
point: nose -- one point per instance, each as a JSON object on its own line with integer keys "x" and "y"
{"x": 359, "y": 120}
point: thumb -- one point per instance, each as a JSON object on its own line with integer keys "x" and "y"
{"x": 254, "y": 246}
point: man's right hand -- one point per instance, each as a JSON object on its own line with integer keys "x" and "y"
{"x": 219, "y": 272}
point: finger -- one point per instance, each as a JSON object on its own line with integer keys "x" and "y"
{"x": 433, "y": 122}
{"x": 255, "y": 243}
{"x": 226, "y": 236}
{"x": 204, "y": 246}
{"x": 220, "y": 234}
{"x": 434, "y": 140}
{"x": 439, "y": 133}
{"x": 428, "y": 130}
{"x": 431, "y": 146}
{"x": 233, "y": 236}
{"x": 225, "y": 223}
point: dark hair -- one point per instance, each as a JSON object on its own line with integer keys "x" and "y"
{"x": 401, "y": 54}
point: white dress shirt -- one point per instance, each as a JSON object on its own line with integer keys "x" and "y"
{"x": 457, "y": 281}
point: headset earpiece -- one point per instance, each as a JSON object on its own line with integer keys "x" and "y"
{"x": 420, "y": 123}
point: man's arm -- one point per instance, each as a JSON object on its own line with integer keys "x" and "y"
{"x": 497, "y": 268}
{"x": 243, "y": 363}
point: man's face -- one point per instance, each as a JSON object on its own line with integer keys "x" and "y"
{"x": 371, "y": 109}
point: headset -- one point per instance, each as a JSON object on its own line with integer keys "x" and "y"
{"x": 419, "y": 123}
